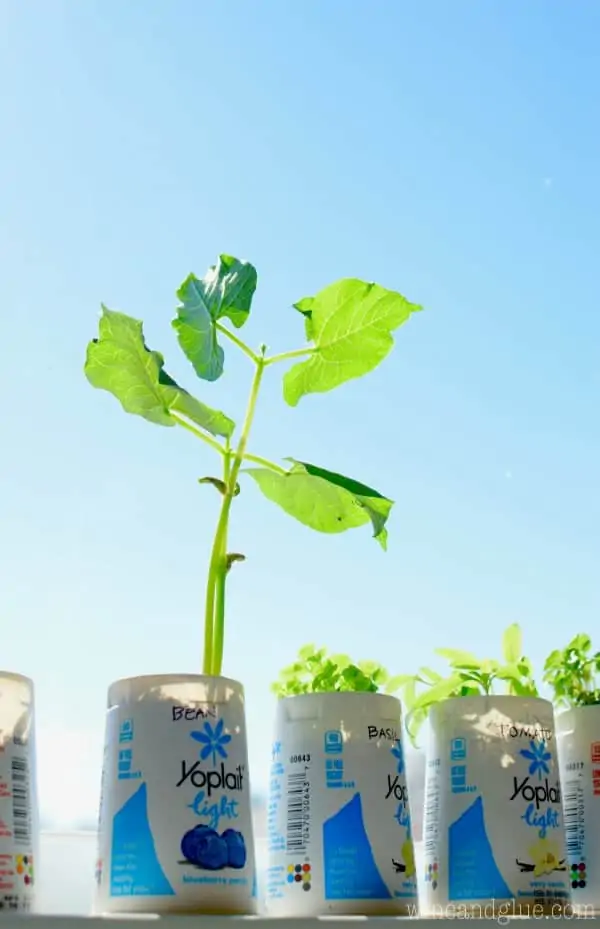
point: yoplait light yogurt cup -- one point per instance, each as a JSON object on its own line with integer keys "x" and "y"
{"x": 493, "y": 825}
{"x": 175, "y": 821}
{"x": 339, "y": 823}
{"x": 578, "y": 731}
{"x": 19, "y": 825}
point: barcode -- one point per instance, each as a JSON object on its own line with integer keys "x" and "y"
{"x": 573, "y": 807}
{"x": 298, "y": 812}
{"x": 20, "y": 801}
{"x": 431, "y": 817}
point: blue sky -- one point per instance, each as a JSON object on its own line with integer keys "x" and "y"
{"x": 446, "y": 150}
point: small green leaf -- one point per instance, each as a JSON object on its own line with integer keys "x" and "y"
{"x": 512, "y": 643}
{"x": 370, "y": 668}
{"x": 581, "y": 643}
{"x": 441, "y": 690}
{"x": 341, "y": 661}
{"x": 305, "y": 307}
{"x": 120, "y": 362}
{"x": 430, "y": 676}
{"x": 409, "y": 693}
{"x": 397, "y": 682}
{"x": 351, "y": 323}
{"x": 323, "y": 500}
{"x": 226, "y": 290}
{"x": 459, "y": 659}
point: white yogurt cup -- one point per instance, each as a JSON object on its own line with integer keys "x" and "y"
{"x": 175, "y": 829}
{"x": 578, "y": 732}
{"x": 339, "y": 818}
{"x": 19, "y": 830}
{"x": 493, "y": 828}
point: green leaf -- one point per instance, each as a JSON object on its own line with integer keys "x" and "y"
{"x": 409, "y": 693}
{"x": 512, "y": 643}
{"x": 581, "y": 643}
{"x": 226, "y": 290}
{"x": 307, "y": 651}
{"x": 441, "y": 690}
{"x": 323, "y": 500}
{"x": 459, "y": 659}
{"x": 351, "y": 323}
{"x": 305, "y": 307}
{"x": 120, "y": 362}
{"x": 432, "y": 677}
{"x": 341, "y": 661}
{"x": 398, "y": 681}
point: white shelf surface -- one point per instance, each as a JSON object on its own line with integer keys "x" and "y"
{"x": 258, "y": 922}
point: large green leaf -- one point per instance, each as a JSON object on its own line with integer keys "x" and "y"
{"x": 120, "y": 362}
{"x": 512, "y": 643}
{"x": 323, "y": 500}
{"x": 351, "y": 323}
{"x": 226, "y": 289}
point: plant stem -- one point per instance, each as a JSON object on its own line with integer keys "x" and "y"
{"x": 257, "y": 459}
{"x": 241, "y": 345}
{"x": 200, "y": 435}
{"x": 284, "y": 356}
{"x": 215, "y": 588}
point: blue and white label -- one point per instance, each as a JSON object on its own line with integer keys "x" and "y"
{"x": 176, "y": 828}
{"x": 339, "y": 818}
{"x": 493, "y": 816}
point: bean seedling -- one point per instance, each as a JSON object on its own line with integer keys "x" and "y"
{"x": 348, "y": 327}
{"x": 316, "y": 672}
{"x": 468, "y": 676}
{"x": 574, "y": 674}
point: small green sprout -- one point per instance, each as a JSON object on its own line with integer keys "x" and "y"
{"x": 348, "y": 327}
{"x": 468, "y": 676}
{"x": 574, "y": 673}
{"x": 316, "y": 672}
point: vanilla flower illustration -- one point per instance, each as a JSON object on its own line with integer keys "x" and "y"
{"x": 408, "y": 857}
{"x": 213, "y": 741}
{"x": 545, "y": 855}
{"x": 539, "y": 758}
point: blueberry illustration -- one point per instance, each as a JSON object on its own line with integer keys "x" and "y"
{"x": 204, "y": 847}
{"x": 211, "y": 852}
{"x": 236, "y": 848}
{"x": 189, "y": 843}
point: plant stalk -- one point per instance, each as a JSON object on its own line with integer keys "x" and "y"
{"x": 215, "y": 588}
{"x": 285, "y": 356}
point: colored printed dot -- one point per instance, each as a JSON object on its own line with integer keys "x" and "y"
{"x": 290, "y": 878}
{"x": 27, "y": 879}
{"x": 297, "y": 877}
{"x": 582, "y": 866}
{"x": 20, "y": 869}
{"x": 291, "y": 868}
{"x": 306, "y": 867}
{"x": 306, "y": 886}
{"x": 581, "y": 883}
{"x": 574, "y": 884}
{"x": 298, "y": 868}
{"x": 434, "y": 885}
{"x": 25, "y": 859}
{"x": 435, "y": 867}
{"x": 306, "y": 877}
{"x": 429, "y": 868}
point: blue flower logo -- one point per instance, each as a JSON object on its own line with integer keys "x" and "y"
{"x": 538, "y": 758}
{"x": 398, "y": 754}
{"x": 213, "y": 741}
